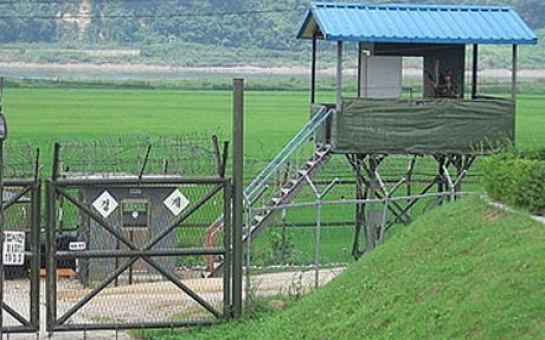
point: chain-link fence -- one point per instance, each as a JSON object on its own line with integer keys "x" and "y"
{"x": 308, "y": 244}
{"x": 311, "y": 238}
{"x": 21, "y": 160}
{"x": 138, "y": 265}
{"x": 129, "y": 218}
{"x": 20, "y": 213}
{"x": 115, "y": 253}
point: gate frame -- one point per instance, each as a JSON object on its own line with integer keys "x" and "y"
{"x": 26, "y": 186}
{"x": 58, "y": 186}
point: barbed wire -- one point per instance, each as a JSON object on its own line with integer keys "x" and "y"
{"x": 188, "y": 155}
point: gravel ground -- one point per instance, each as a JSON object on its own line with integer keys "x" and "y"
{"x": 146, "y": 301}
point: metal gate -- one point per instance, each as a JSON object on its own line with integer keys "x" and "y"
{"x": 127, "y": 252}
{"x": 21, "y": 255}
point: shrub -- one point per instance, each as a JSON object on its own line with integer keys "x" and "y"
{"x": 517, "y": 177}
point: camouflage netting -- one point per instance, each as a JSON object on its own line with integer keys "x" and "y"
{"x": 422, "y": 126}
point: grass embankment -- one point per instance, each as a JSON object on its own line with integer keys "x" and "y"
{"x": 464, "y": 271}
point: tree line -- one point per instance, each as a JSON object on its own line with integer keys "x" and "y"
{"x": 261, "y": 24}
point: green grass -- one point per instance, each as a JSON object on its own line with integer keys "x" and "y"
{"x": 270, "y": 117}
{"x": 530, "y": 120}
{"x": 464, "y": 271}
{"x": 45, "y": 116}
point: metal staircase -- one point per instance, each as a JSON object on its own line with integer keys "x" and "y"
{"x": 289, "y": 189}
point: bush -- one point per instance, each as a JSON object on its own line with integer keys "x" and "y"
{"x": 517, "y": 177}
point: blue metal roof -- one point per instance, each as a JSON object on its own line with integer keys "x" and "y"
{"x": 409, "y": 23}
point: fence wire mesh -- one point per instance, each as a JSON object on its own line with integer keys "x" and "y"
{"x": 20, "y": 159}
{"x": 310, "y": 238}
{"x": 17, "y": 230}
{"x": 153, "y": 288}
{"x": 309, "y": 244}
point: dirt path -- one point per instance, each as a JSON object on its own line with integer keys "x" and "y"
{"x": 148, "y": 301}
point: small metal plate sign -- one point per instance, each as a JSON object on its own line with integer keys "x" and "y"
{"x": 176, "y": 202}
{"x": 105, "y": 204}
{"x": 74, "y": 246}
{"x": 14, "y": 248}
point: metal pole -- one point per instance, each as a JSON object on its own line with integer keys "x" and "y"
{"x": 238, "y": 193}
{"x": 319, "y": 197}
{"x": 360, "y": 65}
{"x": 514, "y": 74}
{"x": 339, "y": 77}
{"x": 514, "y": 87}
{"x": 313, "y": 72}
{"x": 318, "y": 241}
{"x": 3, "y": 135}
{"x": 475, "y": 67}
{"x": 35, "y": 263}
{"x": 248, "y": 260}
{"x": 1, "y": 238}
{"x": 227, "y": 241}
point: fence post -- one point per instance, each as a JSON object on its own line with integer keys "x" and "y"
{"x": 3, "y": 135}
{"x": 249, "y": 215}
{"x": 238, "y": 168}
{"x": 319, "y": 197}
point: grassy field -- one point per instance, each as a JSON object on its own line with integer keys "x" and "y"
{"x": 271, "y": 118}
{"x": 48, "y": 115}
{"x": 530, "y": 123}
{"x": 477, "y": 274}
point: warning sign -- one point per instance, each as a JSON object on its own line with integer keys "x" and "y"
{"x": 14, "y": 248}
{"x": 176, "y": 202}
{"x": 105, "y": 204}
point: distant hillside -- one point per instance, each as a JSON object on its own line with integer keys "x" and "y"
{"x": 463, "y": 271}
{"x": 183, "y": 32}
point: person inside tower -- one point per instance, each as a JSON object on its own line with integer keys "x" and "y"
{"x": 446, "y": 87}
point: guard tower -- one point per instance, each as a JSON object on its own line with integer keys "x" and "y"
{"x": 450, "y": 127}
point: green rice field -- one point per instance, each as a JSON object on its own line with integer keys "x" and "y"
{"x": 48, "y": 115}
{"x": 43, "y": 116}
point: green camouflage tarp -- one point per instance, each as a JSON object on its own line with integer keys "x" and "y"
{"x": 401, "y": 126}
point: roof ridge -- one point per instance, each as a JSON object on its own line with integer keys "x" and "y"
{"x": 406, "y": 5}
